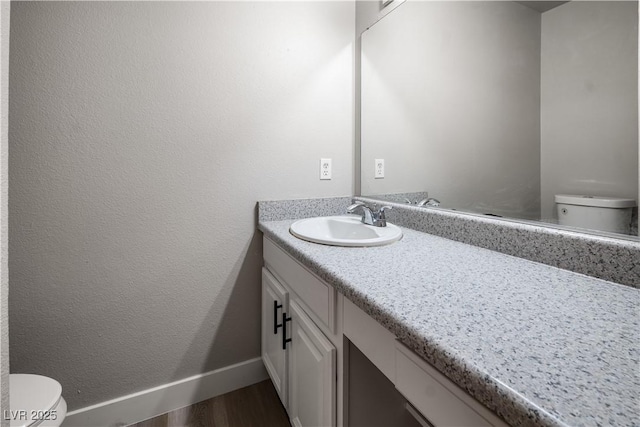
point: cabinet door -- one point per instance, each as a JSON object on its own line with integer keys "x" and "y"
{"x": 312, "y": 374}
{"x": 274, "y": 304}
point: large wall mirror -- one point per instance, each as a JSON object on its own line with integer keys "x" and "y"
{"x": 496, "y": 107}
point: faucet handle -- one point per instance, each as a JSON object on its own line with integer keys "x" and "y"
{"x": 380, "y": 217}
{"x": 429, "y": 202}
{"x": 382, "y": 211}
{"x": 353, "y": 207}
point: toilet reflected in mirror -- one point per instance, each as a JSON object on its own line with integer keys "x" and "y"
{"x": 610, "y": 214}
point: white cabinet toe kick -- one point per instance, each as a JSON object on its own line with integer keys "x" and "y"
{"x": 304, "y": 323}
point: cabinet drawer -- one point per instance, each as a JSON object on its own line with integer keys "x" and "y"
{"x": 440, "y": 401}
{"x": 317, "y": 296}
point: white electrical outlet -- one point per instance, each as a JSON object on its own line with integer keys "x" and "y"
{"x": 325, "y": 168}
{"x": 379, "y": 169}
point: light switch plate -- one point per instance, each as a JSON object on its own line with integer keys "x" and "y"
{"x": 379, "y": 169}
{"x": 325, "y": 168}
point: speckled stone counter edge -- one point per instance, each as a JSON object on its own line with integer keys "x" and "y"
{"x": 610, "y": 259}
{"x": 302, "y": 208}
{"x": 414, "y": 197}
{"x": 501, "y": 399}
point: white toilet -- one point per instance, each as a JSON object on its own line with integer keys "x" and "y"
{"x": 35, "y": 401}
{"x": 597, "y": 213}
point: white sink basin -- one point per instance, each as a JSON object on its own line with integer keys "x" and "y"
{"x": 345, "y": 230}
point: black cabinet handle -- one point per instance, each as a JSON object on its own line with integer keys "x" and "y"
{"x": 276, "y": 325}
{"x": 285, "y": 340}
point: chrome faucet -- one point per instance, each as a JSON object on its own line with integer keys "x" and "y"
{"x": 429, "y": 202}
{"x": 367, "y": 213}
{"x": 369, "y": 216}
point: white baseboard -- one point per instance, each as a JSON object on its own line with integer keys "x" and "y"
{"x": 165, "y": 398}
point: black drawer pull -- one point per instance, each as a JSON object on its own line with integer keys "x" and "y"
{"x": 285, "y": 340}
{"x": 276, "y": 325}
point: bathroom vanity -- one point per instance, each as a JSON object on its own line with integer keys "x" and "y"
{"x": 303, "y": 351}
{"x": 466, "y": 336}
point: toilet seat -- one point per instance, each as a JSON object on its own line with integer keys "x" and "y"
{"x": 33, "y": 398}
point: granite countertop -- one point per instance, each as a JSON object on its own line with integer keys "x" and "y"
{"x": 536, "y": 344}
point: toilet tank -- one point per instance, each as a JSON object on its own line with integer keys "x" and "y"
{"x": 610, "y": 214}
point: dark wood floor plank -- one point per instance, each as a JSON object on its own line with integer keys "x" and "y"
{"x": 254, "y": 406}
{"x": 159, "y": 421}
{"x": 220, "y": 415}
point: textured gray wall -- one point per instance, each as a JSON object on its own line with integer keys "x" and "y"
{"x": 450, "y": 100}
{"x": 141, "y": 136}
{"x": 589, "y": 101}
{"x": 5, "y": 8}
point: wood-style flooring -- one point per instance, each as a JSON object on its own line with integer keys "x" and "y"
{"x": 254, "y": 406}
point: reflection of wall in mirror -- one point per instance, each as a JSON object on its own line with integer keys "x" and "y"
{"x": 369, "y": 12}
{"x": 470, "y": 102}
{"x": 450, "y": 100}
{"x": 589, "y": 102}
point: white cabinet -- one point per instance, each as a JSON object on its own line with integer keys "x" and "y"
{"x": 312, "y": 373}
{"x": 300, "y": 359}
{"x": 275, "y": 303}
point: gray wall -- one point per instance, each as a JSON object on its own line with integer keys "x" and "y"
{"x": 141, "y": 136}
{"x": 450, "y": 100}
{"x": 589, "y": 108}
{"x": 5, "y": 8}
